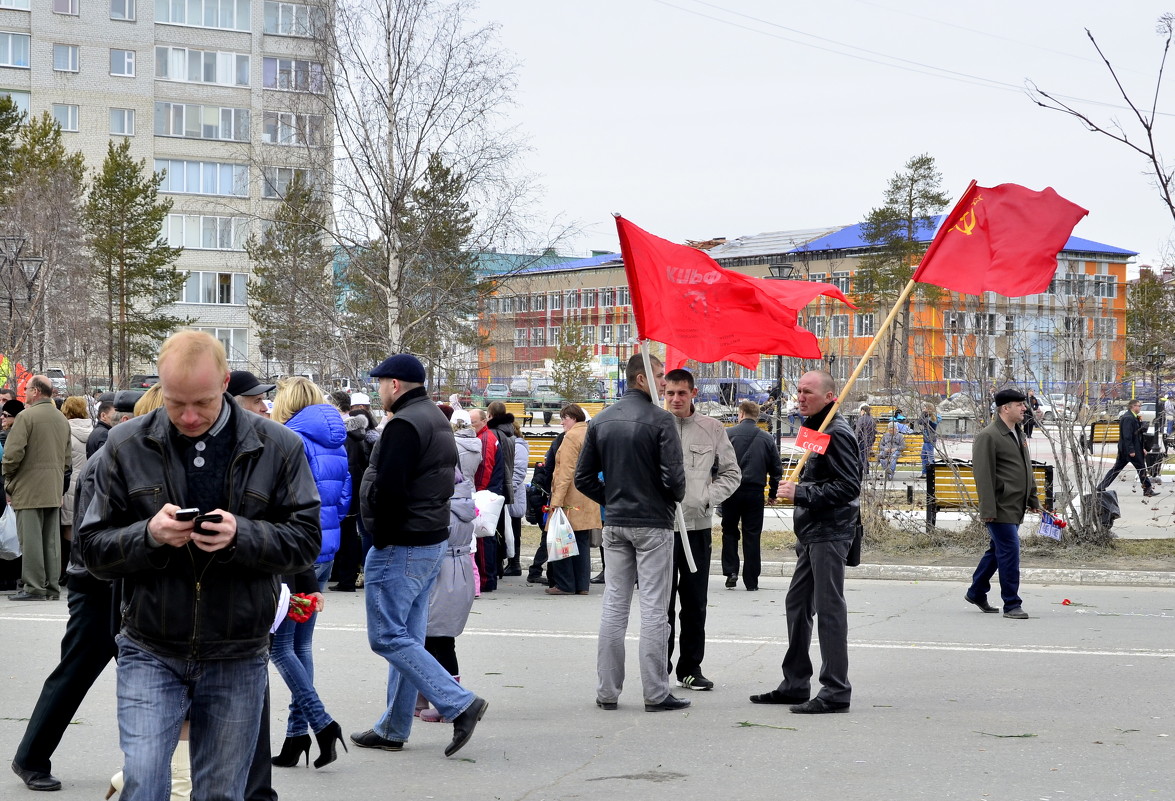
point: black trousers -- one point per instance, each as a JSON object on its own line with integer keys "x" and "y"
{"x": 818, "y": 589}
{"x": 86, "y": 649}
{"x": 746, "y": 509}
{"x": 690, "y": 589}
{"x": 346, "y": 567}
{"x": 1138, "y": 460}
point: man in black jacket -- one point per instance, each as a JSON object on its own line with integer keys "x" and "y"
{"x": 758, "y": 459}
{"x": 405, "y": 506}
{"x": 1130, "y": 450}
{"x": 637, "y": 447}
{"x": 827, "y": 513}
{"x": 198, "y": 598}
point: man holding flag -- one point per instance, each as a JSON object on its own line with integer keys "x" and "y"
{"x": 827, "y": 514}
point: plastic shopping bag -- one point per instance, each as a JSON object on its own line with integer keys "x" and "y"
{"x": 560, "y": 537}
{"x": 489, "y": 511}
{"x": 9, "y": 540}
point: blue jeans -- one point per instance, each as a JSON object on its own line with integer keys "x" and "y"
{"x": 397, "y": 582}
{"x": 927, "y": 455}
{"x": 223, "y": 698}
{"x": 292, "y": 652}
{"x": 1004, "y": 555}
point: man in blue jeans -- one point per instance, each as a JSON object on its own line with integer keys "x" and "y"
{"x": 405, "y": 505}
{"x": 199, "y": 596}
{"x": 1006, "y": 487}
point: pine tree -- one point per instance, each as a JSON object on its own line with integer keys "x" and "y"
{"x": 136, "y": 274}
{"x": 570, "y": 371}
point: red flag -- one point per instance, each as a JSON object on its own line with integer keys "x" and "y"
{"x": 680, "y": 296}
{"x": 1001, "y": 239}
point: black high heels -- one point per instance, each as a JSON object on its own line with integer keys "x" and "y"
{"x": 326, "y": 743}
{"x": 292, "y": 750}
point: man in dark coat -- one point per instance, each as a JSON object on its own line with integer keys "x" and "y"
{"x": 1130, "y": 450}
{"x": 758, "y": 460}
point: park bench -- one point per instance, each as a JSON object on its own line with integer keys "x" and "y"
{"x": 592, "y": 407}
{"x": 911, "y": 452}
{"x": 1103, "y": 433}
{"x": 518, "y": 409}
{"x": 537, "y": 447}
{"x": 951, "y": 485}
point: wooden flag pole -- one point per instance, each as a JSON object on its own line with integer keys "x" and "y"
{"x": 893, "y": 313}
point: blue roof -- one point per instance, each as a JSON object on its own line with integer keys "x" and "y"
{"x": 573, "y": 264}
{"x": 851, "y": 237}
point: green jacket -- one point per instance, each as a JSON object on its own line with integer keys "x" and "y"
{"x": 36, "y": 456}
{"x": 1003, "y": 474}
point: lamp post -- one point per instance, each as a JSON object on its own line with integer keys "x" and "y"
{"x": 831, "y": 359}
{"x": 1155, "y": 360}
{"x": 780, "y": 271}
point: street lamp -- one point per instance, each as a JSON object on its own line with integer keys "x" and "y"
{"x": 831, "y": 359}
{"x": 1155, "y": 360}
{"x": 780, "y": 271}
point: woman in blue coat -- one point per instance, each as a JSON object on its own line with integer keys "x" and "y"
{"x": 299, "y": 405}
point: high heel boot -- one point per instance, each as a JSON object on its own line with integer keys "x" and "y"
{"x": 326, "y": 743}
{"x": 292, "y": 750}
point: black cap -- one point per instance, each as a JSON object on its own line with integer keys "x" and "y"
{"x": 12, "y": 407}
{"x": 242, "y": 382}
{"x": 1009, "y": 396}
{"x": 403, "y": 366}
{"x": 125, "y": 400}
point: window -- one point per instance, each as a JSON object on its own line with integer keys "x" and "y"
{"x": 589, "y": 334}
{"x": 954, "y": 322}
{"x": 606, "y": 334}
{"x": 277, "y": 180}
{"x": 219, "y": 288}
{"x": 202, "y": 122}
{"x": 122, "y": 62}
{"x": 122, "y": 121}
{"x": 205, "y": 232}
{"x": 201, "y": 66}
{"x": 22, "y": 5}
{"x": 230, "y": 14}
{"x": 553, "y": 335}
{"x": 1105, "y": 328}
{"x": 839, "y": 326}
{"x": 522, "y": 303}
{"x": 203, "y": 177}
{"x": 65, "y": 58}
{"x": 20, "y": 99}
{"x": 291, "y": 74}
{"x": 556, "y": 301}
{"x": 293, "y": 129}
{"x": 65, "y": 7}
{"x": 840, "y": 281}
{"x": 607, "y": 298}
{"x": 521, "y": 337}
{"x": 588, "y": 299}
{"x": 622, "y": 297}
{"x": 817, "y": 325}
{"x": 623, "y": 333}
{"x": 235, "y": 341}
{"x": 1009, "y": 325}
{"x": 508, "y": 305}
{"x": 122, "y": 9}
{"x": 66, "y": 116}
{"x": 864, "y": 325}
{"x": 816, "y": 276}
{"x": 14, "y": 49}
{"x": 954, "y": 369}
{"x": 292, "y": 19}
{"x": 536, "y": 337}
{"x": 985, "y": 324}
{"x": 1105, "y": 286}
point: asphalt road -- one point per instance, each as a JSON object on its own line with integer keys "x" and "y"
{"x": 949, "y": 703}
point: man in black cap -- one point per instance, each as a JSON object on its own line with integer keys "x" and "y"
{"x": 1130, "y": 450}
{"x": 1006, "y": 487}
{"x": 248, "y": 391}
{"x": 405, "y": 505}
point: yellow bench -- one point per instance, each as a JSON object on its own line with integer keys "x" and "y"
{"x": 537, "y": 448}
{"x": 951, "y": 485}
{"x": 592, "y": 407}
{"x": 911, "y": 450}
{"x": 1104, "y": 432}
{"x": 520, "y": 413}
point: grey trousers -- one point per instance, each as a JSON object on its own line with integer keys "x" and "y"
{"x": 633, "y": 555}
{"x": 40, "y": 545}
{"x": 818, "y": 587}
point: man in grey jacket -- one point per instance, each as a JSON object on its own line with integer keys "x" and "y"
{"x": 637, "y": 448}
{"x": 711, "y": 475}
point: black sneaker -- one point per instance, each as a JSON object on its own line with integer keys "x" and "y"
{"x": 732, "y": 581}
{"x": 695, "y": 681}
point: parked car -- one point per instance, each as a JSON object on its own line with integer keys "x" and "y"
{"x": 729, "y": 391}
{"x": 496, "y": 392}
{"x": 519, "y": 388}
{"x": 143, "y": 381}
{"x": 56, "y": 377}
{"x": 1147, "y": 413}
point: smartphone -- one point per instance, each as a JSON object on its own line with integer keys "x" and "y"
{"x": 211, "y": 518}
{"x": 187, "y": 514}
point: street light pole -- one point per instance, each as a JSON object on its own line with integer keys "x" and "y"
{"x": 780, "y": 271}
{"x": 1156, "y": 358}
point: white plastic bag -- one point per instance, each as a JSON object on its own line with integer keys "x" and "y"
{"x": 9, "y": 539}
{"x": 489, "y": 511}
{"x": 560, "y": 537}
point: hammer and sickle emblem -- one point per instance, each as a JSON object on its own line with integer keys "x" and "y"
{"x": 966, "y": 223}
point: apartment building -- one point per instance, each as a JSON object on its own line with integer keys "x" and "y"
{"x": 222, "y": 95}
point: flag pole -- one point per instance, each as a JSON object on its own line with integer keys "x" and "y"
{"x": 678, "y": 513}
{"x": 885, "y": 325}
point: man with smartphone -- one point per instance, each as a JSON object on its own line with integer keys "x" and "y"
{"x": 199, "y": 594}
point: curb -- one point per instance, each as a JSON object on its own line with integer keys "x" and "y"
{"x": 1028, "y": 575}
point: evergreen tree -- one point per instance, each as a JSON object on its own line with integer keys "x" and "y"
{"x": 1150, "y": 319}
{"x": 293, "y": 294}
{"x": 136, "y": 274}
{"x": 912, "y": 200}
{"x": 10, "y": 120}
{"x": 570, "y": 373}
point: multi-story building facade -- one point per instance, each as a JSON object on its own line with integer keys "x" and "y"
{"x": 223, "y": 96}
{"x": 1070, "y": 338}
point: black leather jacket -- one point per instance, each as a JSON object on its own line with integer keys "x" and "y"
{"x": 638, "y": 448}
{"x": 184, "y": 602}
{"x": 828, "y": 497}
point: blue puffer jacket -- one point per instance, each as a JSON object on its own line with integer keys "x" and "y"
{"x": 323, "y": 432}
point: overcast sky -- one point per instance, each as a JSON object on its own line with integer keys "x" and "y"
{"x": 701, "y": 119}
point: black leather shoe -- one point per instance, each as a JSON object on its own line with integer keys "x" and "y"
{"x": 598, "y": 579}
{"x": 536, "y": 578}
{"x": 340, "y": 587}
{"x": 818, "y": 706}
{"x": 36, "y": 779}
{"x": 1016, "y": 614}
{"x": 609, "y": 705}
{"x": 670, "y": 704}
{"x": 369, "y": 739}
{"x": 464, "y": 724}
{"x": 779, "y": 697}
{"x": 981, "y": 603}
{"x": 731, "y": 581}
